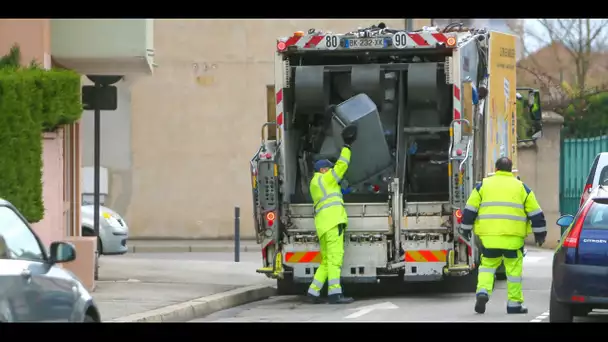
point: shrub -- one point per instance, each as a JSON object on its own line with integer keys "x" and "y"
{"x": 32, "y": 101}
{"x": 587, "y": 117}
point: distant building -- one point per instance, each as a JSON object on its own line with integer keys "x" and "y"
{"x": 553, "y": 64}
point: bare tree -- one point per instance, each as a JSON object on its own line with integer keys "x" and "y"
{"x": 570, "y": 62}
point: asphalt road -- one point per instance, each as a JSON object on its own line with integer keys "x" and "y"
{"x": 412, "y": 306}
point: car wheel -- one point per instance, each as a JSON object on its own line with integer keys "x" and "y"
{"x": 89, "y": 319}
{"x": 559, "y": 312}
{"x": 286, "y": 286}
{"x": 581, "y": 311}
{"x": 461, "y": 284}
{"x": 99, "y": 246}
{"x": 89, "y": 232}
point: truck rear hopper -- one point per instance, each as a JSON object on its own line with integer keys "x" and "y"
{"x": 426, "y": 248}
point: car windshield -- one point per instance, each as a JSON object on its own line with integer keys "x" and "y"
{"x": 597, "y": 217}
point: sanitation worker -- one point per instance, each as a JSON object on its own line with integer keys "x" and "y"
{"x": 330, "y": 221}
{"x": 500, "y": 208}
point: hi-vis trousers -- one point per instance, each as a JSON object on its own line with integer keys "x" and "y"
{"x": 332, "y": 255}
{"x": 490, "y": 261}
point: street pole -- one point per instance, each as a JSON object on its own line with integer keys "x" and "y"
{"x": 237, "y": 234}
{"x": 96, "y": 160}
{"x": 93, "y": 98}
{"x": 409, "y": 24}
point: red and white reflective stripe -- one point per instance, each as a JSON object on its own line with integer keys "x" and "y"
{"x": 457, "y": 105}
{"x": 279, "y": 107}
{"x": 414, "y": 39}
{"x": 425, "y": 39}
{"x": 306, "y": 42}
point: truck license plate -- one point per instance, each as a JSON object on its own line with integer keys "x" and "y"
{"x": 365, "y": 43}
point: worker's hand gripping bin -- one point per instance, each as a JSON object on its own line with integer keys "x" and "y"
{"x": 371, "y": 156}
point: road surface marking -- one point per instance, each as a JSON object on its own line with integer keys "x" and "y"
{"x": 541, "y": 318}
{"x": 364, "y": 310}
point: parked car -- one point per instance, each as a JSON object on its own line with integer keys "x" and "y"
{"x": 33, "y": 288}
{"x": 580, "y": 263}
{"x": 113, "y": 230}
{"x": 598, "y": 175}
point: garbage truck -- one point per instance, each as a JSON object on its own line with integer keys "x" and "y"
{"x": 435, "y": 107}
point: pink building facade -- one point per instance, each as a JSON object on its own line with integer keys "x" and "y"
{"x": 61, "y": 151}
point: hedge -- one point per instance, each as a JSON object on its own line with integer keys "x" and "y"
{"x": 32, "y": 101}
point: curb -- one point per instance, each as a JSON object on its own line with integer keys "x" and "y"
{"x": 189, "y": 249}
{"x": 200, "y": 307}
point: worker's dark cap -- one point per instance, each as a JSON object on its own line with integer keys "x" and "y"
{"x": 323, "y": 163}
{"x": 504, "y": 164}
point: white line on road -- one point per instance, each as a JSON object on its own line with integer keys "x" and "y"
{"x": 364, "y": 310}
{"x": 541, "y": 318}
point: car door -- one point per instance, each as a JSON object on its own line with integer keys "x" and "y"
{"x": 48, "y": 297}
{"x": 14, "y": 292}
{"x": 593, "y": 249}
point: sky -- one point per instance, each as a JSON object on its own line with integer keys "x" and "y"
{"x": 532, "y": 25}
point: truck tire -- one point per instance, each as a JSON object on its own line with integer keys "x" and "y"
{"x": 501, "y": 276}
{"x": 501, "y": 272}
{"x": 286, "y": 286}
{"x": 463, "y": 284}
{"x": 559, "y": 312}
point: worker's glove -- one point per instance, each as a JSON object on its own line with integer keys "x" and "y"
{"x": 346, "y": 191}
{"x": 349, "y": 134}
{"x": 466, "y": 233}
{"x": 539, "y": 238}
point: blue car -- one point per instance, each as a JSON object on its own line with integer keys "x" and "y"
{"x": 580, "y": 262}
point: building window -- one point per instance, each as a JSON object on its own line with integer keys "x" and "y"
{"x": 271, "y": 111}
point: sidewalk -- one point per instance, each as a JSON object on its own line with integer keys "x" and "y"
{"x": 132, "y": 288}
{"x": 196, "y": 246}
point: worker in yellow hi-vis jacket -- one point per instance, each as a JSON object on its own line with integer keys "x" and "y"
{"x": 500, "y": 207}
{"x": 331, "y": 221}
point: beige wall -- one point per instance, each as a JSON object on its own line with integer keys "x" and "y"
{"x": 196, "y": 123}
{"x": 538, "y": 165}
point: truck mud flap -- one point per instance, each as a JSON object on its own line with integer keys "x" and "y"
{"x": 311, "y": 89}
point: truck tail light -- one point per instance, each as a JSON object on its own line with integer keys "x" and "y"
{"x": 458, "y": 215}
{"x": 270, "y": 216}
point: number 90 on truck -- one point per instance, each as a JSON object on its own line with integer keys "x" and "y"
{"x": 446, "y": 101}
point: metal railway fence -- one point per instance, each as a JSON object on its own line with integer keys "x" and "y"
{"x": 576, "y": 157}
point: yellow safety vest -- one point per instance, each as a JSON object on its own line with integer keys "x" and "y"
{"x": 326, "y": 195}
{"x": 500, "y": 206}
